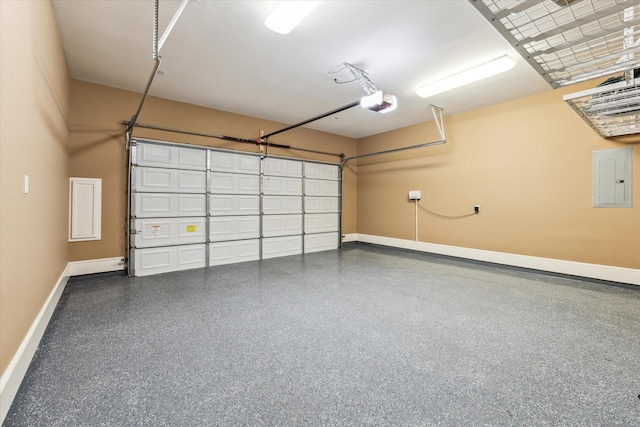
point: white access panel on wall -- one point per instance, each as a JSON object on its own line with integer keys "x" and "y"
{"x": 321, "y": 187}
{"x": 281, "y": 225}
{"x": 234, "y": 228}
{"x": 169, "y": 156}
{"x": 150, "y": 232}
{"x": 222, "y": 161}
{"x": 281, "y": 167}
{"x": 321, "y": 223}
{"x": 168, "y": 258}
{"x": 85, "y": 209}
{"x": 234, "y": 204}
{"x": 234, "y": 251}
{"x": 321, "y": 171}
{"x": 320, "y": 242}
{"x": 161, "y": 180}
{"x": 314, "y": 204}
{"x": 281, "y": 204}
{"x": 150, "y": 205}
{"x": 280, "y": 185}
{"x": 281, "y": 246}
{"x": 233, "y": 183}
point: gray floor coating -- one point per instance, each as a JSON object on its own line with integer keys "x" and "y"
{"x": 362, "y": 336}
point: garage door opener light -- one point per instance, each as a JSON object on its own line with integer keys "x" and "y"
{"x": 376, "y": 99}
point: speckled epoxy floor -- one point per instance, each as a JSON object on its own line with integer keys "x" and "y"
{"x": 361, "y": 336}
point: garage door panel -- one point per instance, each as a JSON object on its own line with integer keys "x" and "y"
{"x": 321, "y": 171}
{"x": 161, "y": 205}
{"x": 321, "y": 223}
{"x": 234, "y": 204}
{"x": 168, "y": 180}
{"x": 230, "y": 183}
{"x": 279, "y": 185}
{"x": 321, "y": 187}
{"x": 313, "y": 204}
{"x": 274, "y": 166}
{"x": 281, "y": 246}
{"x": 169, "y": 258}
{"x": 320, "y": 242}
{"x": 233, "y": 252}
{"x": 234, "y": 162}
{"x": 170, "y": 156}
{"x": 234, "y": 228}
{"x": 281, "y": 225}
{"x": 281, "y": 204}
{"x": 153, "y": 232}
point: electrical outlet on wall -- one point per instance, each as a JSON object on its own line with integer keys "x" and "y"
{"x": 415, "y": 195}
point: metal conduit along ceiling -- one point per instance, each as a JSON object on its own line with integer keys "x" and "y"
{"x": 570, "y": 41}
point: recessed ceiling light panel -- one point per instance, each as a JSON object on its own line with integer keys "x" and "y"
{"x": 288, "y": 14}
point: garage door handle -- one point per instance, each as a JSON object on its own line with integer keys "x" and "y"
{"x": 619, "y": 181}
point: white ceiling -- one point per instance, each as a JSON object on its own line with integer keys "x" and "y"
{"x": 221, "y": 55}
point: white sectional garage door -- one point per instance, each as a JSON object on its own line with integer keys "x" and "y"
{"x": 321, "y": 207}
{"x": 168, "y": 208}
{"x": 281, "y": 207}
{"x": 193, "y": 207}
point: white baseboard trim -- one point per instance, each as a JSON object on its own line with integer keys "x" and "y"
{"x": 12, "y": 376}
{"x": 352, "y": 237}
{"x": 580, "y": 269}
{"x": 92, "y": 266}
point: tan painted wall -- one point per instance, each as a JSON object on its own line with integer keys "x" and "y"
{"x": 97, "y": 146}
{"x": 34, "y": 108}
{"x": 528, "y": 163}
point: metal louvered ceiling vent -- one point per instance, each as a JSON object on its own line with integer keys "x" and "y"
{"x": 570, "y": 41}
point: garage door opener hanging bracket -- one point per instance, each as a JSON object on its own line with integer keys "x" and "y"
{"x": 157, "y": 45}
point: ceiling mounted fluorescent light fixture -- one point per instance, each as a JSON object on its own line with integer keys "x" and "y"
{"x": 488, "y": 69}
{"x": 288, "y": 14}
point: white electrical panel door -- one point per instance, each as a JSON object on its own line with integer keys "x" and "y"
{"x": 169, "y": 156}
{"x": 232, "y": 183}
{"x": 154, "y": 205}
{"x": 321, "y": 223}
{"x": 168, "y": 258}
{"x": 320, "y": 242}
{"x": 612, "y": 178}
{"x": 274, "y": 166}
{"x": 232, "y": 252}
{"x": 234, "y": 228}
{"x": 281, "y": 204}
{"x": 321, "y": 187}
{"x": 150, "y": 232}
{"x": 233, "y": 204}
{"x": 314, "y": 204}
{"x": 160, "y": 180}
{"x": 281, "y": 246}
{"x": 222, "y": 161}
{"x": 321, "y": 171}
{"x": 280, "y": 185}
{"x": 281, "y": 225}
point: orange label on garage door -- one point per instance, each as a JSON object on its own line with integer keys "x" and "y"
{"x": 191, "y": 228}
